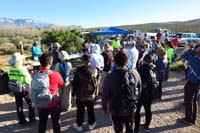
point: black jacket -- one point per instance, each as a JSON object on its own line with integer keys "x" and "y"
{"x": 149, "y": 81}
{"x": 77, "y": 86}
{"x": 112, "y": 87}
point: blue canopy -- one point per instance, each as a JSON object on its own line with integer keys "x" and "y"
{"x": 111, "y": 31}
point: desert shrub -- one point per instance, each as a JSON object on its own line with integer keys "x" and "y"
{"x": 90, "y": 37}
{"x": 70, "y": 40}
{"x": 3, "y": 40}
{"x": 177, "y": 66}
{"x": 17, "y": 40}
{"x": 11, "y": 50}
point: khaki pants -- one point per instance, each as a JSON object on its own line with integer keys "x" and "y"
{"x": 65, "y": 96}
{"x": 103, "y": 76}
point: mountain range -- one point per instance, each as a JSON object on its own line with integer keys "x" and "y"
{"x": 9, "y": 22}
{"x": 181, "y": 26}
{"x": 23, "y": 23}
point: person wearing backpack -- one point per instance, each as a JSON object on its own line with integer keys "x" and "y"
{"x": 19, "y": 81}
{"x": 85, "y": 90}
{"x": 147, "y": 72}
{"x": 65, "y": 69}
{"x": 192, "y": 86}
{"x": 45, "y": 91}
{"x": 121, "y": 90}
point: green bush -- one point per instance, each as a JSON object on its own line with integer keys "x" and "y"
{"x": 11, "y": 50}
{"x": 17, "y": 40}
{"x": 177, "y": 66}
{"x": 70, "y": 40}
{"x": 3, "y": 40}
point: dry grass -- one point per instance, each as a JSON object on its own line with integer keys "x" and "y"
{"x": 4, "y": 61}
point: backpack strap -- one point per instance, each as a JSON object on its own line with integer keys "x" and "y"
{"x": 194, "y": 73}
{"x": 48, "y": 72}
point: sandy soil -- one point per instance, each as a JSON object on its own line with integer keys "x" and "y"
{"x": 165, "y": 114}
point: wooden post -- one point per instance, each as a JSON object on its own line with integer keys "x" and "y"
{"x": 21, "y": 47}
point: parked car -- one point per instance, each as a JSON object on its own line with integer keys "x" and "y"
{"x": 153, "y": 32}
{"x": 185, "y": 37}
{"x": 135, "y": 34}
{"x": 179, "y": 34}
{"x": 172, "y": 36}
{"x": 198, "y": 35}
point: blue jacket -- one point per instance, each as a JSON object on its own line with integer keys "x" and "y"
{"x": 193, "y": 74}
{"x": 36, "y": 51}
{"x": 161, "y": 65}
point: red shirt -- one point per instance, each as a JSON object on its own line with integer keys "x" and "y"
{"x": 56, "y": 82}
{"x": 175, "y": 43}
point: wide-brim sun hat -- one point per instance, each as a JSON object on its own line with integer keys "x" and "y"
{"x": 57, "y": 45}
{"x": 15, "y": 58}
{"x": 63, "y": 55}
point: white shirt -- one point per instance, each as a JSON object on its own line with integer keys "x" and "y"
{"x": 97, "y": 61}
{"x": 133, "y": 55}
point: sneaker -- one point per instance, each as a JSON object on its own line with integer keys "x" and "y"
{"x": 91, "y": 127}
{"x": 75, "y": 126}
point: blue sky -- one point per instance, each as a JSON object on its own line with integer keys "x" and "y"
{"x": 95, "y": 13}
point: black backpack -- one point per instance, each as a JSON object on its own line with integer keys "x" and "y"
{"x": 4, "y": 82}
{"x": 150, "y": 82}
{"x": 129, "y": 94}
{"x": 88, "y": 83}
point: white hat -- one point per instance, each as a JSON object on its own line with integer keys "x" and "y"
{"x": 96, "y": 49}
{"x": 63, "y": 55}
{"x": 57, "y": 45}
{"x": 15, "y": 58}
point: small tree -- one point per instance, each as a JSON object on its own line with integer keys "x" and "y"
{"x": 70, "y": 40}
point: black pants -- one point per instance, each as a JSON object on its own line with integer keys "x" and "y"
{"x": 81, "y": 109}
{"x": 191, "y": 101}
{"x": 146, "y": 101}
{"x": 158, "y": 93}
{"x": 167, "y": 72}
{"x": 55, "y": 118}
{"x": 119, "y": 123}
{"x": 19, "y": 103}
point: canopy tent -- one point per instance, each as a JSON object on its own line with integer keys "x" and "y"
{"x": 111, "y": 31}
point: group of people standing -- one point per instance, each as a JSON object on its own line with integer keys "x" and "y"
{"x": 102, "y": 74}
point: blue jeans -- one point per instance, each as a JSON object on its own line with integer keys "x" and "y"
{"x": 55, "y": 118}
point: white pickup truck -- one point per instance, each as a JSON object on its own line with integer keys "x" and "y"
{"x": 146, "y": 35}
{"x": 135, "y": 34}
{"x": 154, "y": 32}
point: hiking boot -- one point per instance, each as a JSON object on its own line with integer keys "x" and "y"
{"x": 78, "y": 128}
{"x": 91, "y": 127}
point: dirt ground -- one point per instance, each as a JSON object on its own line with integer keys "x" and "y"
{"x": 165, "y": 114}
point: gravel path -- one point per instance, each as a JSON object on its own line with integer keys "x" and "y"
{"x": 165, "y": 114}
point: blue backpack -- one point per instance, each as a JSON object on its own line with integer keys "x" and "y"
{"x": 65, "y": 71}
